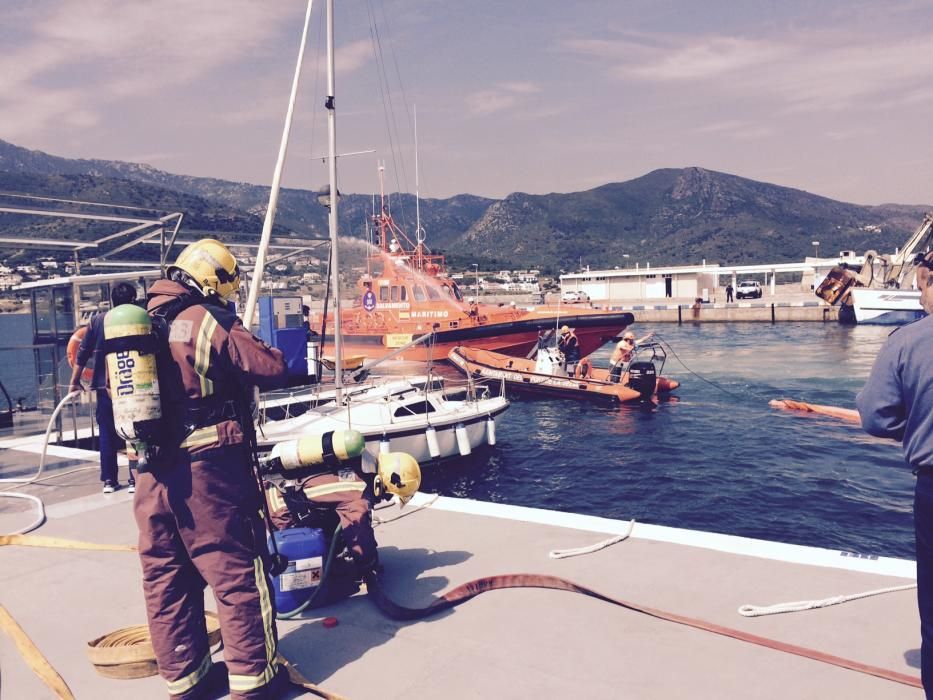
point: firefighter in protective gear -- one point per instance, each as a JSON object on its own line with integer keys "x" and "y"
{"x": 197, "y": 507}
{"x": 351, "y": 493}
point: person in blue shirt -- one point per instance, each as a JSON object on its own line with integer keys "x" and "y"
{"x": 91, "y": 344}
{"x": 897, "y": 403}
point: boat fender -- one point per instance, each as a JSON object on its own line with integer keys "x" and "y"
{"x": 490, "y": 431}
{"x": 71, "y": 352}
{"x": 434, "y": 449}
{"x": 463, "y": 440}
{"x": 130, "y": 347}
{"x": 330, "y": 448}
{"x": 384, "y": 445}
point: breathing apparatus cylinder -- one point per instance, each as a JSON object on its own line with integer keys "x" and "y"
{"x": 313, "y": 450}
{"x": 134, "y": 381}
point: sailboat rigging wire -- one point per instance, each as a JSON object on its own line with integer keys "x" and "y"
{"x": 256, "y": 280}
{"x": 385, "y": 91}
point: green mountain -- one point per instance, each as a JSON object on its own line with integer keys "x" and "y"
{"x": 675, "y": 216}
{"x": 682, "y": 216}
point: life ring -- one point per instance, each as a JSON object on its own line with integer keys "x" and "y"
{"x": 71, "y": 352}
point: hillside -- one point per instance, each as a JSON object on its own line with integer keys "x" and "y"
{"x": 666, "y": 216}
{"x": 682, "y": 216}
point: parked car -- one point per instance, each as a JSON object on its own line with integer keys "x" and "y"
{"x": 748, "y": 289}
{"x": 574, "y": 297}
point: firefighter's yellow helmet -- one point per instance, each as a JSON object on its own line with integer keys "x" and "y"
{"x": 397, "y": 474}
{"x": 211, "y": 267}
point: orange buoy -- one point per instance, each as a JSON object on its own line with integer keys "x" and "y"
{"x": 71, "y": 352}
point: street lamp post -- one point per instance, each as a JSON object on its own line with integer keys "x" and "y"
{"x": 476, "y": 270}
{"x": 816, "y": 249}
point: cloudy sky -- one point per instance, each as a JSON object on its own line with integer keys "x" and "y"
{"x": 833, "y": 97}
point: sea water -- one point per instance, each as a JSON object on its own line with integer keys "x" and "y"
{"x": 716, "y": 457}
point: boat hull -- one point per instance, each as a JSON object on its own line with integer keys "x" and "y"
{"x": 515, "y": 338}
{"x": 519, "y": 376}
{"x": 379, "y": 419}
{"x": 891, "y": 307}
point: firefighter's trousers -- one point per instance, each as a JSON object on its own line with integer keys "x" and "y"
{"x": 199, "y": 523}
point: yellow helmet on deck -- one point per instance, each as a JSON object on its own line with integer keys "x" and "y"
{"x": 211, "y": 267}
{"x": 397, "y": 474}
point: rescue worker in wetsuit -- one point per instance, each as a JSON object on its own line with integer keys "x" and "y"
{"x": 197, "y": 506}
{"x": 350, "y": 493}
{"x": 897, "y": 403}
{"x": 569, "y": 345}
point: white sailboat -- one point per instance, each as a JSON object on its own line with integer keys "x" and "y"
{"x": 423, "y": 418}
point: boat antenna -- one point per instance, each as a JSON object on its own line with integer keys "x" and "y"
{"x": 256, "y": 280}
{"x": 334, "y": 198}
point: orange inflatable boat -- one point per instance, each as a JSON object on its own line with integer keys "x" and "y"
{"x": 641, "y": 381}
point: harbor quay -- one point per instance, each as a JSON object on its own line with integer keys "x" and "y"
{"x": 788, "y": 303}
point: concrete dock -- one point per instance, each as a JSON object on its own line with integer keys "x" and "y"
{"x": 518, "y": 643}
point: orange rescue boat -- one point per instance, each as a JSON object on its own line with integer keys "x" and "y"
{"x": 406, "y": 293}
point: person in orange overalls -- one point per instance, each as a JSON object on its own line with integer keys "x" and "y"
{"x": 197, "y": 506}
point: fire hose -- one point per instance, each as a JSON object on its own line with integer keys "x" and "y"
{"x": 471, "y": 589}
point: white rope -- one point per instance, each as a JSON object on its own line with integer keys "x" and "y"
{"x": 37, "y": 476}
{"x": 797, "y": 606}
{"x": 564, "y": 553}
{"x": 409, "y": 511}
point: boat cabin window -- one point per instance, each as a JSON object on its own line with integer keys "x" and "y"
{"x": 383, "y": 293}
{"x": 457, "y": 293}
{"x": 64, "y": 309}
{"x": 404, "y": 293}
{"x": 394, "y": 293}
{"x": 434, "y": 294}
{"x": 42, "y": 310}
{"x": 415, "y": 408}
{"x": 418, "y": 292}
{"x": 93, "y": 298}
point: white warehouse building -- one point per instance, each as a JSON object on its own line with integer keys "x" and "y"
{"x": 681, "y": 282}
{"x": 644, "y": 283}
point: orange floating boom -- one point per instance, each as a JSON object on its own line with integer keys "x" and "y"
{"x": 847, "y": 414}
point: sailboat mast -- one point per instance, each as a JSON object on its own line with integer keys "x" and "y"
{"x": 334, "y": 198}
{"x": 418, "y": 237}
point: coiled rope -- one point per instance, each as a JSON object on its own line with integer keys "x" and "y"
{"x": 800, "y": 605}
